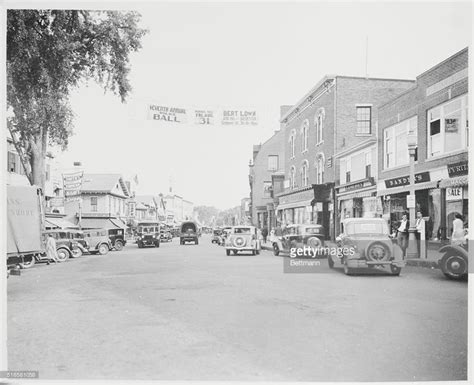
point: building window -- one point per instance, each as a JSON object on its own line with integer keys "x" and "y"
{"x": 318, "y": 123}
{"x": 273, "y": 162}
{"x": 304, "y": 134}
{"x": 12, "y": 162}
{"x": 267, "y": 189}
{"x": 293, "y": 177}
{"x": 304, "y": 174}
{"x": 94, "y": 204}
{"x": 319, "y": 170}
{"x": 292, "y": 145}
{"x": 448, "y": 127}
{"x": 395, "y": 143}
{"x": 364, "y": 118}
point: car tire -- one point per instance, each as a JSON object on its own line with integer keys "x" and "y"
{"x": 140, "y": 245}
{"x": 63, "y": 254}
{"x": 454, "y": 267}
{"x": 76, "y": 253}
{"x": 276, "y": 250}
{"x": 330, "y": 262}
{"x": 118, "y": 245}
{"x": 396, "y": 270}
{"x": 28, "y": 262}
{"x": 227, "y": 252}
{"x": 103, "y": 249}
{"x": 234, "y": 252}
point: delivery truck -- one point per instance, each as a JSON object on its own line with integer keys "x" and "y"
{"x": 25, "y": 223}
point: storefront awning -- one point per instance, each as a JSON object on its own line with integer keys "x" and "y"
{"x": 402, "y": 189}
{"x": 59, "y": 223}
{"x": 357, "y": 194}
{"x": 293, "y": 205}
{"x": 101, "y": 223}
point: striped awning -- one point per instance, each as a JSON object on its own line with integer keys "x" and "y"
{"x": 455, "y": 182}
{"x": 293, "y": 205}
{"x": 59, "y": 223}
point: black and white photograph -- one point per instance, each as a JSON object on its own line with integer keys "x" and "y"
{"x": 252, "y": 191}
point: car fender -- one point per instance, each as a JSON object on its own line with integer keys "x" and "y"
{"x": 455, "y": 248}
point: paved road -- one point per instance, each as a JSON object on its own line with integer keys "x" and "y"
{"x": 192, "y": 313}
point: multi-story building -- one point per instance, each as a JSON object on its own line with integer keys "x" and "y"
{"x": 268, "y": 160}
{"x": 334, "y": 121}
{"x": 436, "y": 109}
{"x": 177, "y": 209}
{"x": 103, "y": 202}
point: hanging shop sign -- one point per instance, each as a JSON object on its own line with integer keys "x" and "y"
{"x": 454, "y": 194}
{"x": 72, "y": 184}
{"x": 458, "y": 169}
{"x": 405, "y": 180}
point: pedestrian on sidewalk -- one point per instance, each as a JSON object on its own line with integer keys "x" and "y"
{"x": 265, "y": 234}
{"x": 51, "y": 252}
{"x": 402, "y": 234}
{"x": 420, "y": 229}
{"x": 458, "y": 236}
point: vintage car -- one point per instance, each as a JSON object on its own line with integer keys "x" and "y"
{"x": 298, "y": 236}
{"x": 366, "y": 243}
{"x": 66, "y": 245}
{"x": 216, "y": 236}
{"x": 189, "y": 232}
{"x": 148, "y": 234}
{"x": 117, "y": 238}
{"x": 242, "y": 238}
{"x": 98, "y": 240}
{"x": 454, "y": 262}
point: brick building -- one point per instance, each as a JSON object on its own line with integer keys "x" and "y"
{"x": 268, "y": 161}
{"x": 436, "y": 108}
{"x": 330, "y": 122}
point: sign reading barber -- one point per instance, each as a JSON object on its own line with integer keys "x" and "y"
{"x": 167, "y": 114}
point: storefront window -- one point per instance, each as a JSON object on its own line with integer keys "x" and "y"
{"x": 447, "y": 127}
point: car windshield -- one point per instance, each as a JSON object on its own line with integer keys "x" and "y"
{"x": 188, "y": 227}
{"x": 242, "y": 230}
{"x": 367, "y": 228}
{"x": 146, "y": 229}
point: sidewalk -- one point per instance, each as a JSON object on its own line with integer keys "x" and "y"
{"x": 430, "y": 262}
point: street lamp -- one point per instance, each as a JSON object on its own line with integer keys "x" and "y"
{"x": 412, "y": 250}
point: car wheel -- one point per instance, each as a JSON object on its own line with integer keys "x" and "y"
{"x": 157, "y": 244}
{"x": 63, "y": 254}
{"x": 118, "y": 245}
{"x": 395, "y": 270}
{"x": 330, "y": 262}
{"x": 103, "y": 249}
{"x": 276, "y": 250}
{"x": 76, "y": 253}
{"x": 454, "y": 267}
{"x": 227, "y": 252}
{"x": 234, "y": 252}
{"x": 347, "y": 269}
{"x": 28, "y": 262}
{"x": 140, "y": 245}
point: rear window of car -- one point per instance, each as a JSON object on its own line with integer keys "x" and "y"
{"x": 366, "y": 228}
{"x": 243, "y": 230}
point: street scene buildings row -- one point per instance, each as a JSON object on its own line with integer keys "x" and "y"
{"x": 106, "y": 200}
{"x": 342, "y": 151}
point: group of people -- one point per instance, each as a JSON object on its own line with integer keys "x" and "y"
{"x": 457, "y": 237}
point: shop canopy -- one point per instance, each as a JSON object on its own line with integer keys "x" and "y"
{"x": 59, "y": 223}
{"x": 102, "y": 223}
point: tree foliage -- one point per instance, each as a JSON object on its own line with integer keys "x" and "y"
{"x": 49, "y": 52}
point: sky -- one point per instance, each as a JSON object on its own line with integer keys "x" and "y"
{"x": 257, "y": 56}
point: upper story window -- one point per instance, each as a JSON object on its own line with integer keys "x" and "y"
{"x": 273, "y": 162}
{"x": 448, "y": 127}
{"x": 304, "y": 174}
{"x": 358, "y": 166}
{"x": 319, "y": 169}
{"x": 318, "y": 123}
{"x": 267, "y": 189}
{"x": 304, "y": 135}
{"x": 364, "y": 119}
{"x": 293, "y": 177}
{"x": 292, "y": 143}
{"x": 93, "y": 204}
{"x": 395, "y": 147}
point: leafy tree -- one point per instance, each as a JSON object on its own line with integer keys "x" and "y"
{"x": 49, "y": 52}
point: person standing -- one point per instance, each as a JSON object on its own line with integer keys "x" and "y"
{"x": 458, "y": 236}
{"x": 420, "y": 230}
{"x": 402, "y": 234}
{"x": 51, "y": 252}
{"x": 264, "y": 234}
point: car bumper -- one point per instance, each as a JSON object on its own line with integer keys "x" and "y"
{"x": 362, "y": 263}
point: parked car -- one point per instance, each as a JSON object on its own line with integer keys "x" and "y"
{"x": 454, "y": 262}
{"x": 98, "y": 240}
{"x": 189, "y": 232}
{"x": 216, "y": 236}
{"x": 66, "y": 245}
{"x": 366, "y": 243}
{"x": 148, "y": 234}
{"x": 117, "y": 238}
{"x": 242, "y": 238}
{"x": 300, "y": 236}
{"x": 82, "y": 243}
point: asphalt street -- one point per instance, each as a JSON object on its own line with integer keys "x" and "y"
{"x": 192, "y": 313}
